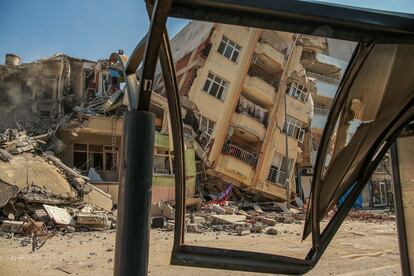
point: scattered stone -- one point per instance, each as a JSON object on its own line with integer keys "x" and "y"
{"x": 228, "y": 219}
{"x": 192, "y": 228}
{"x": 256, "y": 228}
{"x": 258, "y": 209}
{"x": 241, "y": 232}
{"x": 218, "y": 209}
{"x": 229, "y": 210}
{"x": 158, "y": 222}
{"x": 266, "y": 221}
{"x": 98, "y": 221}
{"x": 272, "y": 231}
{"x": 10, "y": 226}
{"x": 170, "y": 226}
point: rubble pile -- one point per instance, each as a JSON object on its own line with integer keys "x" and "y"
{"x": 371, "y": 215}
{"x": 234, "y": 218}
{"x": 103, "y": 105}
{"x": 39, "y": 194}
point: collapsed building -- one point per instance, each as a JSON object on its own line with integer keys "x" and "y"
{"x": 234, "y": 84}
{"x": 84, "y": 104}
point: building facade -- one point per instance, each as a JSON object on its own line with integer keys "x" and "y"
{"x": 240, "y": 80}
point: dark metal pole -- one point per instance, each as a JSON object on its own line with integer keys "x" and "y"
{"x": 135, "y": 197}
{"x": 399, "y": 212}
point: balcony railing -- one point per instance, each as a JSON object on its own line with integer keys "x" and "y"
{"x": 241, "y": 154}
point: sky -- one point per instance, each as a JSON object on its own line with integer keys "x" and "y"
{"x": 89, "y": 29}
{"x": 93, "y": 29}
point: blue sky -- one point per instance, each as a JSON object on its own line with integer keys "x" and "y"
{"x": 90, "y": 29}
{"x": 93, "y": 29}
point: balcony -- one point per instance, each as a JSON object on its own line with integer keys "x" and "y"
{"x": 243, "y": 155}
{"x": 272, "y": 57}
{"x": 161, "y": 141}
{"x": 248, "y": 128}
{"x": 259, "y": 91}
{"x": 298, "y": 109}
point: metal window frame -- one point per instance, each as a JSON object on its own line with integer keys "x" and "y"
{"x": 234, "y": 48}
{"x": 220, "y": 84}
{"x": 317, "y": 18}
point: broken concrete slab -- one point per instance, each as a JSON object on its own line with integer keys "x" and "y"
{"x": 7, "y": 191}
{"x": 229, "y": 219}
{"x": 99, "y": 198}
{"x": 218, "y": 209}
{"x": 27, "y": 169}
{"x": 242, "y": 232}
{"x": 266, "y": 221}
{"x": 229, "y": 210}
{"x": 58, "y": 215}
{"x": 57, "y": 162}
{"x": 97, "y": 221}
{"x": 11, "y": 226}
{"x": 162, "y": 209}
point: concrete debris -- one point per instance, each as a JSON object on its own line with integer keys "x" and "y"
{"x": 266, "y": 221}
{"x": 170, "y": 226}
{"x": 40, "y": 194}
{"x": 5, "y": 155}
{"x": 191, "y": 228}
{"x": 58, "y": 215}
{"x": 158, "y": 222}
{"x": 218, "y": 209}
{"x": 241, "y": 232}
{"x": 162, "y": 209}
{"x": 257, "y": 228}
{"x": 272, "y": 231}
{"x": 94, "y": 221}
{"x": 10, "y": 226}
{"x": 230, "y": 219}
{"x": 229, "y": 210}
{"x": 371, "y": 215}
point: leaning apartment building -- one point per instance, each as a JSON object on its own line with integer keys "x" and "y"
{"x": 240, "y": 80}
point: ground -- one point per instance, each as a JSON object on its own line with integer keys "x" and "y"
{"x": 359, "y": 248}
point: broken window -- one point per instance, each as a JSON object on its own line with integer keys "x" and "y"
{"x": 279, "y": 169}
{"x": 205, "y": 129}
{"x": 320, "y": 108}
{"x": 80, "y": 156}
{"x": 299, "y": 92}
{"x": 205, "y": 124}
{"x": 163, "y": 162}
{"x": 229, "y": 49}
{"x": 111, "y": 158}
{"x": 293, "y": 128}
{"x": 96, "y": 157}
{"x": 215, "y": 86}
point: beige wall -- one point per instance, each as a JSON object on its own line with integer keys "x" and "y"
{"x": 215, "y": 109}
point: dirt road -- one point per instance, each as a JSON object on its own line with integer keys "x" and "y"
{"x": 358, "y": 249}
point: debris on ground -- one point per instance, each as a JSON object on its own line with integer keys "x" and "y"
{"x": 39, "y": 194}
